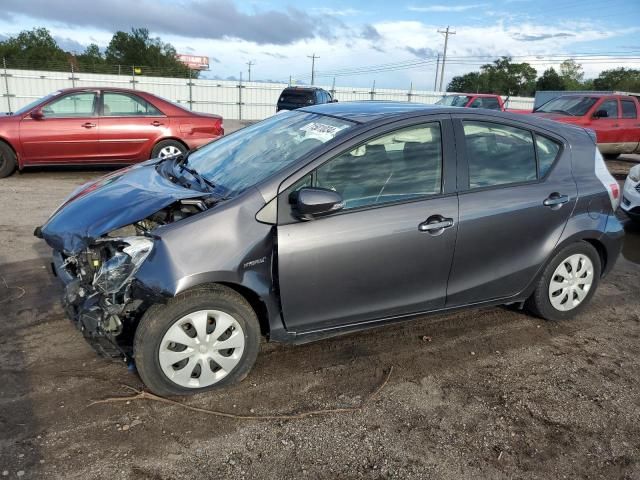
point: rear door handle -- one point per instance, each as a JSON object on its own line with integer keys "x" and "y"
{"x": 88, "y": 125}
{"x": 435, "y": 224}
{"x": 156, "y": 123}
{"x": 555, "y": 200}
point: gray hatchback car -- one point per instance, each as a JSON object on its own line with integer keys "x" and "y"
{"x": 329, "y": 219}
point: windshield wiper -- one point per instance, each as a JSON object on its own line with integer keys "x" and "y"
{"x": 198, "y": 176}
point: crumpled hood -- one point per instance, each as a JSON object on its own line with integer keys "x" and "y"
{"x": 114, "y": 201}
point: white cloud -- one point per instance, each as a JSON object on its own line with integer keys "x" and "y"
{"x": 446, "y": 8}
{"x": 337, "y": 12}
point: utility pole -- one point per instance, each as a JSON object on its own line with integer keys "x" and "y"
{"x": 435, "y": 82}
{"x": 249, "y": 65}
{"x": 313, "y": 67}
{"x": 446, "y": 34}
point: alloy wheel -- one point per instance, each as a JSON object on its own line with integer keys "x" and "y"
{"x": 169, "y": 151}
{"x": 201, "y": 348}
{"x": 571, "y": 282}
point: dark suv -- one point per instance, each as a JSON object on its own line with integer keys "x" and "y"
{"x": 296, "y": 97}
{"x": 330, "y": 219}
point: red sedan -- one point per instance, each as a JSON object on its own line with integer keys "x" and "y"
{"x": 100, "y": 126}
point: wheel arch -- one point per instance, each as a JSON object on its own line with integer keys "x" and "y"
{"x": 256, "y": 303}
{"x": 15, "y": 151}
{"x": 164, "y": 139}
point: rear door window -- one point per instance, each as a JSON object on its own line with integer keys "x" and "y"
{"x": 123, "y": 105}
{"x": 629, "y": 109}
{"x": 498, "y": 154}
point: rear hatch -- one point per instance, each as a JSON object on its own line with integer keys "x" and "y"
{"x": 291, "y": 99}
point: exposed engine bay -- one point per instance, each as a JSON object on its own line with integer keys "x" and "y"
{"x": 101, "y": 294}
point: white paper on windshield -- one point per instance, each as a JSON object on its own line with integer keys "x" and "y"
{"x": 321, "y": 131}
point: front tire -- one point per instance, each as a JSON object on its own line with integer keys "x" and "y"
{"x": 567, "y": 283}
{"x": 8, "y": 160}
{"x": 202, "y": 339}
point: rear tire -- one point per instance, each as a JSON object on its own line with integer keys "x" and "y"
{"x": 168, "y": 148}
{"x": 8, "y": 160}
{"x": 211, "y": 332}
{"x": 571, "y": 269}
{"x": 610, "y": 156}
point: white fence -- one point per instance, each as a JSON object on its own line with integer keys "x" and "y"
{"x": 231, "y": 99}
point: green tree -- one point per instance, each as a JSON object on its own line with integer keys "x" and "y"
{"x": 623, "y": 79}
{"x": 572, "y": 75}
{"x": 507, "y": 78}
{"x": 502, "y": 77}
{"x": 550, "y": 80}
{"x": 152, "y": 55}
{"x": 92, "y": 60}
{"x": 34, "y": 49}
{"x": 468, "y": 83}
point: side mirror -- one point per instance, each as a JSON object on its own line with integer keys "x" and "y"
{"x": 601, "y": 114}
{"x": 311, "y": 202}
{"x": 37, "y": 114}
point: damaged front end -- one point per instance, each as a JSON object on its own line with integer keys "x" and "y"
{"x": 96, "y": 257}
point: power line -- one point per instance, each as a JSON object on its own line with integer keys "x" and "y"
{"x": 446, "y": 34}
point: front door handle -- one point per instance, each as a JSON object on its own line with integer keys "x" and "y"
{"x": 435, "y": 224}
{"x": 555, "y": 200}
{"x": 156, "y": 123}
{"x": 88, "y": 125}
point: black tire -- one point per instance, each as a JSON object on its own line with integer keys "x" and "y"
{"x": 8, "y": 160}
{"x": 155, "y": 153}
{"x": 539, "y": 303}
{"x": 610, "y": 156}
{"x": 159, "y": 318}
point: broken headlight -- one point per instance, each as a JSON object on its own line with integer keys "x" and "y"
{"x": 118, "y": 270}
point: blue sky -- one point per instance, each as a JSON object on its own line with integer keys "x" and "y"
{"x": 350, "y": 35}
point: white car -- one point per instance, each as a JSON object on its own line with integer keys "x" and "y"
{"x": 631, "y": 194}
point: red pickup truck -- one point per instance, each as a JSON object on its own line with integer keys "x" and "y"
{"x": 613, "y": 117}
{"x": 473, "y": 100}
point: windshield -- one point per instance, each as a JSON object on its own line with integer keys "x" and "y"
{"x": 575, "y": 106}
{"x": 454, "y": 100}
{"x": 244, "y": 158}
{"x": 29, "y": 106}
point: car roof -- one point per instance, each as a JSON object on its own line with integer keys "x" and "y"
{"x": 365, "y": 111}
{"x": 110, "y": 89}
{"x": 304, "y": 89}
{"x": 493, "y": 95}
{"x": 371, "y": 110}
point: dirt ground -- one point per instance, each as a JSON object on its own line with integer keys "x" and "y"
{"x": 489, "y": 393}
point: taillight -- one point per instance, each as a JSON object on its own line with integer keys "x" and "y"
{"x": 615, "y": 190}
{"x": 610, "y": 183}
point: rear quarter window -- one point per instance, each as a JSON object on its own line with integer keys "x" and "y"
{"x": 547, "y": 152}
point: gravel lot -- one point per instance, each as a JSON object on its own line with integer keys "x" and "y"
{"x": 489, "y": 393}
